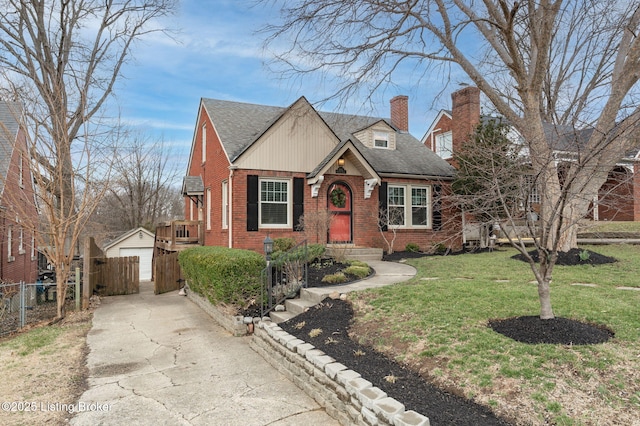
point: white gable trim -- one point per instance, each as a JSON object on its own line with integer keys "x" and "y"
{"x": 432, "y": 128}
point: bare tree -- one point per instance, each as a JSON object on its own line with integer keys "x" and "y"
{"x": 61, "y": 60}
{"x": 315, "y": 225}
{"x": 389, "y": 220}
{"x": 141, "y": 182}
{"x": 573, "y": 64}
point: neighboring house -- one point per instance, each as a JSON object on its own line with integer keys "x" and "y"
{"x": 136, "y": 242}
{"x": 18, "y": 213}
{"x": 619, "y": 197}
{"x": 255, "y": 170}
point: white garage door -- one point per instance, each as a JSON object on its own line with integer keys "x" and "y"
{"x": 146, "y": 257}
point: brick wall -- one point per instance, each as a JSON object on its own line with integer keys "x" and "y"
{"x": 442, "y": 126}
{"x": 19, "y": 213}
{"x": 213, "y": 170}
{"x": 465, "y": 114}
{"x": 616, "y": 196}
{"x": 400, "y": 112}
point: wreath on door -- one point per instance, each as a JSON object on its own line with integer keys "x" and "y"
{"x": 338, "y": 198}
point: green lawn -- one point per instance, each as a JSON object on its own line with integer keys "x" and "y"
{"x": 437, "y": 323}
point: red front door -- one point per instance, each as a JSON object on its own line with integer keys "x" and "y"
{"x": 339, "y": 200}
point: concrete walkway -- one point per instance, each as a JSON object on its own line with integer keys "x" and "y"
{"x": 160, "y": 360}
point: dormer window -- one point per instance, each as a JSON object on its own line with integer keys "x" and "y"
{"x": 444, "y": 145}
{"x": 381, "y": 139}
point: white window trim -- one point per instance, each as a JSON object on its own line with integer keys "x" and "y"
{"x": 225, "y": 204}
{"x": 383, "y": 136}
{"x": 204, "y": 142}
{"x": 208, "y": 209}
{"x": 21, "y": 249}
{"x": 289, "y": 204}
{"x": 10, "y": 257}
{"x": 33, "y": 247}
{"x": 444, "y": 153}
{"x": 408, "y": 206}
{"x": 533, "y": 190}
{"x": 428, "y": 225}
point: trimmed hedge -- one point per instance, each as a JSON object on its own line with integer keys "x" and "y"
{"x": 223, "y": 275}
{"x": 313, "y": 252}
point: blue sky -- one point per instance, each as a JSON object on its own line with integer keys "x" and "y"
{"x": 216, "y": 53}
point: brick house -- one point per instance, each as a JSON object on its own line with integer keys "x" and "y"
{"x": 619, "y": 197}
{"x": 255, "y": 170}
{"x": 19, "y": 259}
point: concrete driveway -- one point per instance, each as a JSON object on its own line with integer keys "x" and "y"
{"x": 160, "y": 360}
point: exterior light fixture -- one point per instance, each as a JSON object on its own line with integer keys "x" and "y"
{"x": 340, "y": 168}
{"x": 268, "y": 247}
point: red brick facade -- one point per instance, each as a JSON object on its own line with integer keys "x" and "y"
{"x": 616, "y": 196}
{"x": 216, "y": 169}
{"x": 400, "y": 112}
{"x": 18, "y": 215}
{"x": 465, "y": 115}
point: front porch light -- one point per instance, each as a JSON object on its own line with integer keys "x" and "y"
{"x": 340, "y": 168}
{"x": 268, "y": 247}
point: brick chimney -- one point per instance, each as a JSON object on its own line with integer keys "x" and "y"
{"x": 400, "y": 112}
{"x": 465, "y": 112}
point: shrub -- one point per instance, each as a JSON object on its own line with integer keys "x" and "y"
{"x": 223, "y": 275}
{"x": 336, "y": 278}
{"x": 314, "y": 251}
{"x": 412, "y": 247}
{"x": 439, "y": 248}
{"x": 358, "y": 271}
{"x": 358, "y": 263}
{"x": 283, "y": 244}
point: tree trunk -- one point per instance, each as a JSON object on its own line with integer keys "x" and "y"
{"x": 61, "y": 296}
{"x": 544, "y": 293}
{"x": 543, "y": 276}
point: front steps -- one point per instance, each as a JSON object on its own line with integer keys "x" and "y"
{"x": 308, "y": 297}
{"x": 351, "y": 252}
{"x": 312, "y": 296}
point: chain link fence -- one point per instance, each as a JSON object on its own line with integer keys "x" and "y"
{"x": 22, "y": 304}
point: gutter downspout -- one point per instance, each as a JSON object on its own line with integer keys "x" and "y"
{"x": 230, "y": 206}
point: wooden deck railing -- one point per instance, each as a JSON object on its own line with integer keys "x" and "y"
{"x": 179, "y": 234}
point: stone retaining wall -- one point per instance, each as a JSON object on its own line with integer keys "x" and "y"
{"x": 343, "y": 393}
{"x": 233, "y": 324}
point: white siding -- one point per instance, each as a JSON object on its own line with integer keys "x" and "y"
{"x": 297, "y": 143}
{"x": 133, "y": 245}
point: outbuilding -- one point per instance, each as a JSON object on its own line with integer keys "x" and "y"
{"x": 136, "y": 242}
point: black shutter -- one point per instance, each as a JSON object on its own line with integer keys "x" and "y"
{"x": 298, "y": 202}
{"x": 436, "y": 217}
{"x": 382, "y": 201}
{"x": 252, "y": 202}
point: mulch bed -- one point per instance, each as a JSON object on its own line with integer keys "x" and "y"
{"x": 323, "y": 267}
{"x": 333, "y": 318}
{"x": 557, "y": 331}
{"x": 572, "y": 257}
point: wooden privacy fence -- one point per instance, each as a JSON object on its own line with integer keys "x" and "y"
{"x": 108, "y": 276}
{"x": 167, "y": 274}
{"x": 118, "y": 275}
